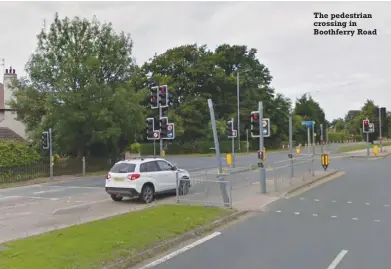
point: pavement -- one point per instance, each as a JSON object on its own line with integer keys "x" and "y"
{"x": 342, "y": 224}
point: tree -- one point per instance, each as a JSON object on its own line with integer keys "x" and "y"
{"x": 79, "y": 84}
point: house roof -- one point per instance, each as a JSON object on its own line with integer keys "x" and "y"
{"x": 8, "y": 134}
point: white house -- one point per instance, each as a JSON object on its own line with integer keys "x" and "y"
{"x": 10, "y": 128}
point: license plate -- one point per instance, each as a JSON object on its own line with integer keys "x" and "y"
{"x": 118, "y": 179}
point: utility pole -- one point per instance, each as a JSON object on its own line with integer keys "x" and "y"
{"x": 237, "y": 97}
{"x": 160, "y": 137}
{"x": 321, "y": 138}
{"x": 291, "y": 143}
{"x": 380, "y": 133}
{"x": 262, "y": 172}
{"x": 247, "y": 145}
{"x": 51, "y": 153}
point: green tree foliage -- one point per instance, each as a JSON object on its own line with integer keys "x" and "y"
{"x": 79, "y": 83}
{"x": 13, "y": 153}
{"x": 195, "y": 74}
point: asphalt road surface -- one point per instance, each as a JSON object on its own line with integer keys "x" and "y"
{"x": 343, "y": 224}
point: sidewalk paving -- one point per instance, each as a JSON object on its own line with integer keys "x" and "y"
{"x": 362, "y": 153}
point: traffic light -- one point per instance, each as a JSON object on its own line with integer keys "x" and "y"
{"x": 170, "y": 100}
{"x": 150, "y": 127}
{"x": 163, "y": 127}
{"x": 229, "y": 128}
{"x": 365, "y": 126}
{"x": 254, "y": 124}
{"x": 45, "y": 140}
{"x": 163, "y": 96}
{"x": 154, "y": 97}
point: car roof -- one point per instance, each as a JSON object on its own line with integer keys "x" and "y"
{"x": 141, "y": 160}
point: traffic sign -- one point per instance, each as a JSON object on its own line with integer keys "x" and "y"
{"x": 371, "y": 127}
{"x": 308, "y": 124}
{"x": 170, "y": 131}
{"x": 234, "y": 134}
{"x": 156, "y": 135}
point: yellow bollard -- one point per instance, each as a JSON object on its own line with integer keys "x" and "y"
{"x": 324, "y": 159}
{"x": 229, "y": 158}
{"x": 298, "y": 150}
{"x": 375, "y": 149}
{"x": 163, "y": 153}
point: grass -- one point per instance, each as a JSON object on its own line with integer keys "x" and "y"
{"x": 359, "y": 147}
{"x": 92, "y": 244}
{"x": 42, "y": 180}
{"x": 212, "y": 154}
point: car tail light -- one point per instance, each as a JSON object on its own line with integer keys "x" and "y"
{"x": 108, "y": 176}
{"x": 133, "y": 176}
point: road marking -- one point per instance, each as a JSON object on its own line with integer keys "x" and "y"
{"x": 76, "y": 206}
{"x": 337, "y": 259}
{"x": 349, "y": 202}
{"x": 43, "y": 198}
{"x": 376, "y": 220}
{"x": 316, "y": 200}
{"x": 333, "y": 217}
{"x": 315, "y": 215}
{"x": 367, "y": 203}
{"x": 10, "y": 197}
{"x": 354, "y": 218}
{"x": 49, "y": 191}
{"x": 386, "y": 205}
{"x": 297, "y": 213}
{"x": 278, "y": 211}
{"x": 180, "y": 251}
{"x": 333, "y": 201}
{"x": 301, "y": 198}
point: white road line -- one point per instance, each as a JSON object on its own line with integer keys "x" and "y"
{"x": 315, "y": 215}
{"x": 49, "y": 191}
{"x": 76, "y": 206}
{"x": 297, "y": 213}
{"x": 301, "y": 198}
{"x": 386, "y": 205}
{"x": 10, "y": 197}
{"x": 278, "y": 211}
{"x": 43, "y": 198}
{"x": 316, "y": 200}
{"x": 354, "y": 218}
{"x": 376, "y": 220}
{"x": 337, "y": 259}
{"x": 333, "y": 201}
{"x": 333, "y": 217}
{"x": 367, "y": 203}
{"x": 349, "y": 202}
{"x": 180, "y": 251}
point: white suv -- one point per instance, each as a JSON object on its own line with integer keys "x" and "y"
{"x": 144, "y": 177}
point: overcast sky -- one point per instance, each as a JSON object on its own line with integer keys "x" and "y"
{"x": 340, "y": 71}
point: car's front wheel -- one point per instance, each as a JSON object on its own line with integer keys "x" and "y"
{"x": 147, "y": 194}
{"x": 116, "y": 198}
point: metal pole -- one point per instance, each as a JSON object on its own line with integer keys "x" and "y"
{"x": 233, "y": 145}
{"x": 262, "y": 172}
{"x": 247, "y": 145}
{"x": 291, "y": 143}
{"x": 238, "y": 96}
{"x": 313, "y": 139}
{"x": 217, "y": 149}
{"x": 368, "y": 144}
{"x": 380, "y": 133}
{"x": 50, "y": 153}
{"x": 321, "y": 138}
{"x": 154, "y": 148}
{"x": 160, "y": 140}
{"x": 308, "y": 139}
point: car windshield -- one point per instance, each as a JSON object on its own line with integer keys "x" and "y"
{"x": 123, "y": 168}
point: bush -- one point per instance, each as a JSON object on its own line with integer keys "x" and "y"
{"x": 17, "y": 154}
{"x": 135, "y": 148}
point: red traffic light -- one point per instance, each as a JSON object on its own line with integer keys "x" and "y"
{"x": 162, "y": 89}
{"x": 255, "y": 117}
{"x": 366, "y": 122}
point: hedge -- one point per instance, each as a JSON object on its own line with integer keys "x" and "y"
{"x": 339, "y": 137}
{"x": 16, "y": 154}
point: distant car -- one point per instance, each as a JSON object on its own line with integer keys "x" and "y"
{"x": 144, "y": 178}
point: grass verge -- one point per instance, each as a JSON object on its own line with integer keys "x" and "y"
{"x": 43, "y": 180}
{"x": 212, "y": 154}
{"x": 93, "y": 244}
{"x": 359, "y": 147}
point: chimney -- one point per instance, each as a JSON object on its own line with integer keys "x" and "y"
{"x": 9, "y": 75}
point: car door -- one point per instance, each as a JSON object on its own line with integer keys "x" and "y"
{"x": 169, "y": 174}
{"x": 152, "y": 170}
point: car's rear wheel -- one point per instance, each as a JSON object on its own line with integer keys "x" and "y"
{"x": 147, "y": 194}
{"x": 116, "y": 198}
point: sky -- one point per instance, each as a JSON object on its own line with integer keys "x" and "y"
{"x": 339, "y": 71}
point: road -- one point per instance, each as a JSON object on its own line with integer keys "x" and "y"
{"x": 342, "y": 224}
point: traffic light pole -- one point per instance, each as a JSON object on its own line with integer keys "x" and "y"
{"x": 262, "y": 172}
{"x": 233, "y": 145}
{"x": 291, "y": 143}
{"x": 380, "y": 135}
{"x": 308, "y": 138}
{"x": 368, "y": 144}
{"x": 160, "y": 140}
{"x": 50, "y": 153}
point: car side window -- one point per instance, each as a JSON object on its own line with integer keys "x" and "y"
{"x": 164, "y": 166}
{"x": 149, "y": 167}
